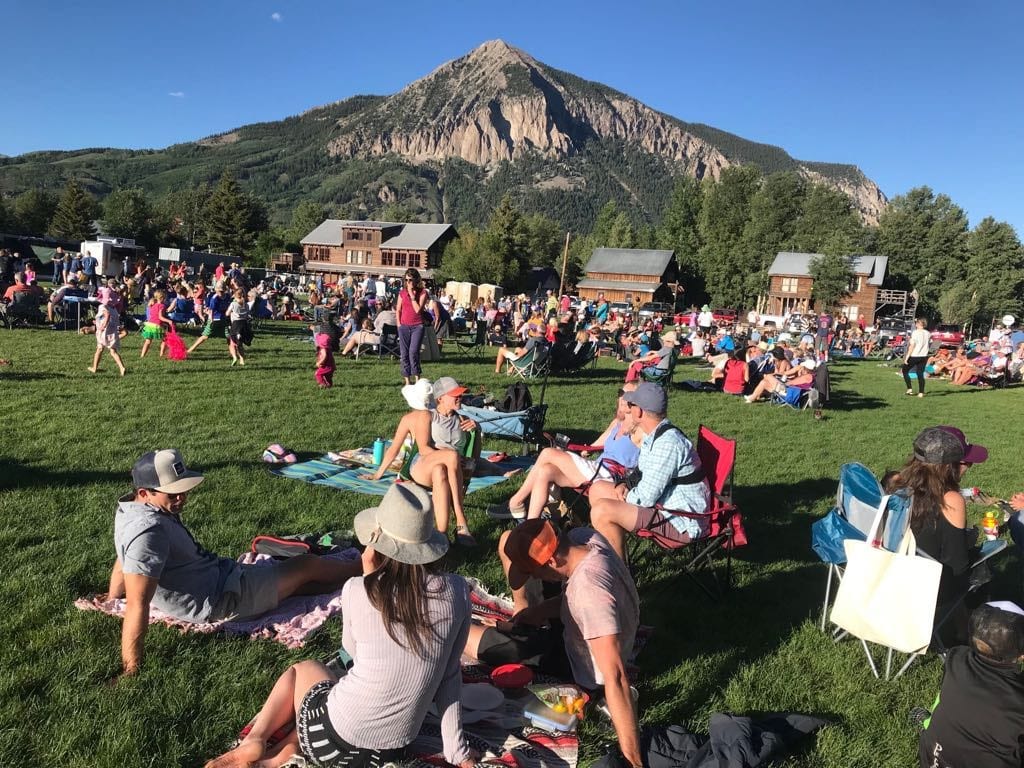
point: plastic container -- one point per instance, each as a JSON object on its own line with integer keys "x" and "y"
{"x": 542, "y": 716}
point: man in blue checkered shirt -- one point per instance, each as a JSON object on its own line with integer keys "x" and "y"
{"x": 672, "y": 480}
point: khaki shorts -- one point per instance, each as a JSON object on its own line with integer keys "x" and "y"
{"x": 257, "y": 594}
{"x": 657, "y": 522}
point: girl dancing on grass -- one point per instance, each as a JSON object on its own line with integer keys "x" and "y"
{"x": 156, "y": 319}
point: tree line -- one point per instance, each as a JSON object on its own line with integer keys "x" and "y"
{"x": 724, "y": 233}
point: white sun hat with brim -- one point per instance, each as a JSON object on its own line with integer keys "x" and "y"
{"x": 419, "y": 396}
{"x": 402, "y": 527}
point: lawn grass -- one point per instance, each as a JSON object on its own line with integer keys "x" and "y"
{"x": 71, "y": 438}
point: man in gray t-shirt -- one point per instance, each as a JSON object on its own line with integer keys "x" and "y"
{"x": 160, "y": 563}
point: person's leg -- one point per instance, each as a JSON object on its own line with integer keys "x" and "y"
{"x": 96, "y": 360}
{"x": 415, "y": 345}
{"x": 145, "y": 347}
{"x": 633, "y": 372}
{"x": 313, "y": 575}
{"x": 613, "y": 519}
{"x": 768, "y": 383}
{"x": 431, "y": 471}
{"x": 404, "y": 340}
{"x": 117, "y": 359}
{"x": 279, "y": 709}
{"x": 163, "y": 348}
{"x": 195, "y": 344}
{"x": 905, "y": 370}
{"x": 518, "y": 499}
{"x": 232, "y": 352}
{"x": 919, "y": 366}
{"x": 560, "y": 471}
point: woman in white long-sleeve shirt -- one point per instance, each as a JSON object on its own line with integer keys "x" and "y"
{"x": 405, "y": 625}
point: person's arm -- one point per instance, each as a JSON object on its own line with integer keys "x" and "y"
{"x": 457, "y": 750}
{"x": 115, "y": 589}
{"x": 420, "y": 300}
{"x": 139, "y": 591}
{"x": 608, "y": 659}
{"x": 541, "y": 613}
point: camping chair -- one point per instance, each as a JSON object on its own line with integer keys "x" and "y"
{"x": 476, "y": 343}
{"x": 570, "y": 512}
{"x": 389, "y": 346}
{"x": 586, "y": 355}
{"x": 723, "y": 520}
{"x": 530, "y": 365}
{"x": 661, "y": 377}
{"x": 525, "y": 426}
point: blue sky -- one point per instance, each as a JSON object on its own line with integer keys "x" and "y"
{"x": 913, "y": 92}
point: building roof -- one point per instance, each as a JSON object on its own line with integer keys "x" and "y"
{"x": 629, "y": 261}
{"x": 417, "y": 237}
{"x": 799, "y": 265}
{"x": 618, "y": 285}
{"x": 414, "y": 237}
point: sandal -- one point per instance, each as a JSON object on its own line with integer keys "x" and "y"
{"x": 463, "y": 537}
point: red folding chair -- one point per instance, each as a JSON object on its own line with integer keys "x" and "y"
{"x": 616, "y": 470}
{"x": 724, "y": 524}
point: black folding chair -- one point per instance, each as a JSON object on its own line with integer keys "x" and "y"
{"x": 477, "y": 343}
{"x": 389, "y": 346}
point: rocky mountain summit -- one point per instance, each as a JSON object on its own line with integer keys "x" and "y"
{"x": 500, "y": 104}
{"x": 448, "y": 147}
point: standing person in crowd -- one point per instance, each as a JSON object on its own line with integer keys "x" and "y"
{"x": 89, "y": 267}
{"x": 108, "y": 335}
{"x": 324, "y": 361}
{"x": 156, "y": 319}
{"x": 406, "y": 624}
{"x": 30, "y": 273}
{"x": 917, "y": 356}
{"x": 411, "y": 301}
{"x": 705, "y": 320}
{"x": 58, "y": 266}
{"x": 821, "y": 337}
{"x": 217, "y": 304}
{"x": 239, "y": 332}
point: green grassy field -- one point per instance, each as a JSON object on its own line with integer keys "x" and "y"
{"x": 71, "y": 437}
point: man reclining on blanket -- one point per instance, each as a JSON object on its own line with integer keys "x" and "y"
{"x": 592, "y": 625}
{"x": 159, "y": 562}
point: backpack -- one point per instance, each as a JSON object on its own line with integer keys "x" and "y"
{"x": 517, "y": 398}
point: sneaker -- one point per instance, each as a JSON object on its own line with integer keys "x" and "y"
{"x": 747, "y": 399}
{"x": 504, "y": 512}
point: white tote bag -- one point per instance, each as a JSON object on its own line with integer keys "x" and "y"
{"x": 888, "y": 597}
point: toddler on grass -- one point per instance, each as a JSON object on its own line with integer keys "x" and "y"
{"x": 324, "y": 361}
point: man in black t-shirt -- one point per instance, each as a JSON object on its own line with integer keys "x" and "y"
{"x": 978, "y": 719}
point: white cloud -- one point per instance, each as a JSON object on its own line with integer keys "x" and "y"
{"x": 177, "y": 94}
{"x": 276, "y": 16}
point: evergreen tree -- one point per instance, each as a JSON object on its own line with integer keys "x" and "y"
{"x": 958, "y": 304}
{"x": 306, "y": 217}
{"x": 75, "y": 213}
{"x": 6, "y": 217}
{"x": 826, "y": 216}
{"x": 925, "y": 237}
{"x": 460, "y": 260}
{"x": 775, "y": 210}
{"x": 33, "y": 212}
{"x": 679, "y": 232}
{"x": 179, "y": 215}
{"x": 995, "y": 270}
{"x": 230, "y": 218}
{"x": 544, "y": 241}
{"x": 127, "y": 213}
{"x": 724, "y": 260}
{"x": 603, "y": 224}
{"x": 832, "y": 275}
{"x": 621, "y": 234}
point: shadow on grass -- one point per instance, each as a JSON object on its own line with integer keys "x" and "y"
{"x": 9, "y": 375}
{"x": 16, "y": 475}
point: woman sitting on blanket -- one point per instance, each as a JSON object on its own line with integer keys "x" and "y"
{"x": 556, "y": 468}
{"x": 406, "y": 624}
{"x": 441, "y": 436}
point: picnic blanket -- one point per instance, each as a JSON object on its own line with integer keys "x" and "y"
{"x": 323, "y": 471}
{"x": 290, "y": 624}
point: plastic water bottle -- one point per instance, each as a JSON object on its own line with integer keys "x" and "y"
{"x": 378, "y": 451}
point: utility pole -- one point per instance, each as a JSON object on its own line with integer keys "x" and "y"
{"x": 565, "y": 260}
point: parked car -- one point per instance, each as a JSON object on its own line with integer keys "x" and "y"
{"x": 725, "y": 316}
{"x": 650, "y": 308}
{"x": 948, "y": 335}
{"x": 890, "y": 327}
{"x": 619, "y": 308}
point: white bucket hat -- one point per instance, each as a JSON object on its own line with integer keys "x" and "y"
{"x": 419, "y": 396}
{"x": 402, "y": 527}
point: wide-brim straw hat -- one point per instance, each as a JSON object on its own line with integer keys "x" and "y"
{"x": 402, "y": 527}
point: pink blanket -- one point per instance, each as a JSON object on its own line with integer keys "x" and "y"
{"x": 290, "y": 624}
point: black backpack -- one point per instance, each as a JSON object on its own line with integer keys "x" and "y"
{"x": 517, "y": 398}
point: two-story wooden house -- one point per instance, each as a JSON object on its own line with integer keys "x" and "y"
{"x": 790, "y": 286}
{"x": 627, "y": 274}
{"x": 375, "y": 247}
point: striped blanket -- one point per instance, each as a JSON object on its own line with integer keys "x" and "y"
{"x": 323, "y": 471}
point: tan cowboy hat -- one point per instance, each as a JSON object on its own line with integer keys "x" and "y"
{"x": 670, "y": 338}
{"x": 402, "y": 527}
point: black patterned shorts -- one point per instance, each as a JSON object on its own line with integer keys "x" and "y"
{"x": 322, "y": 745}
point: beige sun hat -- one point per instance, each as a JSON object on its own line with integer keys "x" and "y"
{"x": 402, "y": 527}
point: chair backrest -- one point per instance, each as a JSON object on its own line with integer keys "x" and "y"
{"x": 717, "y": 457}
{"x": 388, "y": 334}
{"x": 481, "y": 334}
{"x": 858, "y": 495}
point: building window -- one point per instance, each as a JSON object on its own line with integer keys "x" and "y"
{"x": 357, "y": 235}
{"x": 856, "y": 283}
{"x": 348, "y": 257}
{"x": 369, "y": 257}
{"x": 790, "y": 284}
{"x": 399, "y": 259}
{"x": 414, "y": 260}
{"x": 387, "y": 260}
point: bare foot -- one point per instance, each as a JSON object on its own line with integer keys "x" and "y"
{"x": 513, "y": 472}
{"x": 123, "y": 371}
{"x": 244, "y": 755}
{"x": 91, "y": 370}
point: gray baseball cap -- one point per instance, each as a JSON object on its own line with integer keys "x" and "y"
{"x": 935, "y": 445}
{"x": 164, "y": 471}
{"x": 648, "y": 396}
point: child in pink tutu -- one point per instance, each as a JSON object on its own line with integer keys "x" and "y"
{"x": 324, "y": 361}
